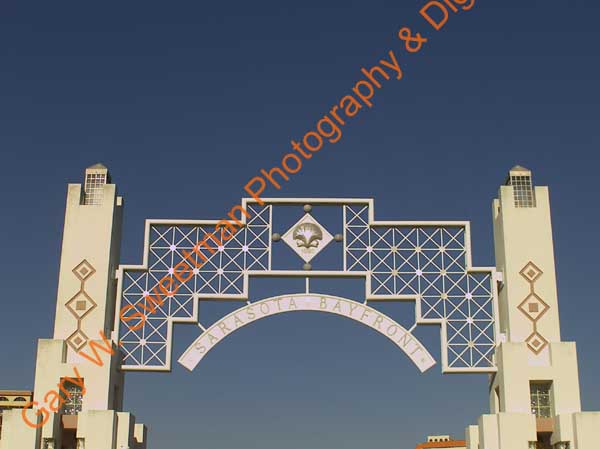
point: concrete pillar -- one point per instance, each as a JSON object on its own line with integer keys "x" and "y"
{"x": 472, "y": 437}
{"x": 515, "y": 431}
{"x": 141, "y": 436}
{"x": 98, "y": 428}
{"x": 18, "y": 435}
{"x": 488, "y": 432}
{"x": 586, "y": 429}
{"x": 125, "y": 430}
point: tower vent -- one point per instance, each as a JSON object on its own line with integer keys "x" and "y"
{"x": 96, "y": 177}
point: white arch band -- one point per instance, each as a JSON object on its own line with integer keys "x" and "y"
{"x": 301, "y": 302}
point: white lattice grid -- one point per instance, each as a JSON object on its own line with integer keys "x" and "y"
{"x": 429, "y": 263}
{"x": 221, "y": 276}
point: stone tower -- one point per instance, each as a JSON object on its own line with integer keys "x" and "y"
{"x": 78, "y": 392}
{"x": 534, "y": 396}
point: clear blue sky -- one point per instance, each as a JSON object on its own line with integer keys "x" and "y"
{"x": 186, "y": 101}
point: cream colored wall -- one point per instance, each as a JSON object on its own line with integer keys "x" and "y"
{"x": 472, "y": 437}
{"x": 563, "y": 428}
{"x": 99, "y": 381}
{"x": 503, "y": 303}
{"x": 503, "y": 431}
{"x": 130, "y": 434}
{"x": 515, "y": 373}
{"x": 141, "y": 436}
{"x": 125, "y": 430}
{"x": 16, "y": 434}
{"x": 99, "y": 428}
{"x": 586, "y": 428}
{"x": 515, "y": 431}
{"x": 488, "y": 432}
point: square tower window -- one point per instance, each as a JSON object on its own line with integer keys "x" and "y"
{"x": 541, "y": 403}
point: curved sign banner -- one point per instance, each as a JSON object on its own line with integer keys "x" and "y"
{"x": 308, "y": 302}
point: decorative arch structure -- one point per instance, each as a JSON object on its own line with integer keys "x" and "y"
{"x": 428, "y": 263}
{"x": 534, "y": 392}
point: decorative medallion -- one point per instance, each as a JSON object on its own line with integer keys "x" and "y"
{"x": 307, "y": 238}
{"x": 77, "y": 340}
{"x": 80, "y": 305}
{"x": 533, "y": 307}
{"x": 84, "y": 270}
{"x": 531, "y": 272}
{"x": 536, "y": 342}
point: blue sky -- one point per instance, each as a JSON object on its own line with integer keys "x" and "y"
{"x": 186, "y": 101}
